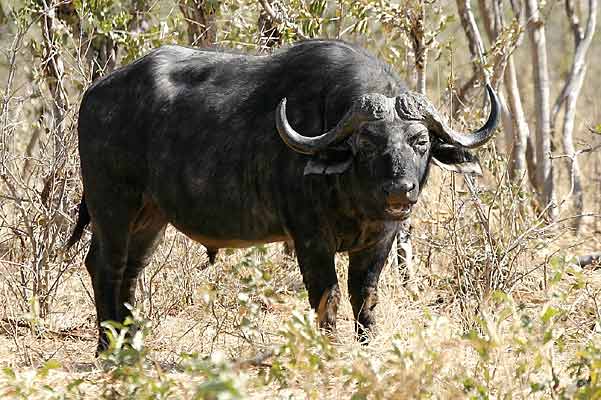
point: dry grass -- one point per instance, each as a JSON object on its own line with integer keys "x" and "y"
{"x": 195, "y": 307}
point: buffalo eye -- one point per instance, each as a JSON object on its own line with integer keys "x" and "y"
{"x": 420, "y": 141}
{"x": 367, "y": 145}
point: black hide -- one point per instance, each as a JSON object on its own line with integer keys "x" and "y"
{"x": 187, "y": 136}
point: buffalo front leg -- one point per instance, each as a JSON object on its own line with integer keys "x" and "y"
{"x": 365, "y": 267}
{"x": 316, "y": 263}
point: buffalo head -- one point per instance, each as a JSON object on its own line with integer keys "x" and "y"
{"x": 390, "y": 143}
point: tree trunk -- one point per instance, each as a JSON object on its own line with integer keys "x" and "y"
{"x": 3, "y": 21}
{"x": 518, "y": 168}
{"x": 582, "y": 42}
{"x": 545, "y": 189}
{"x": 468, "y": 21}
{"x": 487, "y": 15}
{"x": 420, "y": 50}
{"x": 54, "y": 71}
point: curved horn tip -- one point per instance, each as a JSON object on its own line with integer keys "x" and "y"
{"x": 492, "y": 94}
{"x": 282, "y": 104}
{"x": 291, "y": 138}
{"x": 282, "y": 121}
{"x": 495, "y": 107}
{"x": 485, "y": 133}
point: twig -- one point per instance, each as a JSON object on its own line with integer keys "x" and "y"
{"x": 276, "y": 18}
{"x": 588, "y": 149}
{"x": 270, "y": 11}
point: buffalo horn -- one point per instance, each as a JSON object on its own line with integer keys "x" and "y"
{"x": 365, "y": 108}
{"x": 307, "y": 144}
{"x": 478, "y": 137}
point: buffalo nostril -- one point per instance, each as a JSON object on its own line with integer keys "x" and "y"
{"x": 406, "y": 186}
{"x": 400, "y": 187}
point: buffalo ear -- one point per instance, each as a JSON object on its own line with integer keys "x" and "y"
{"x": 335, "y": 160}
{"x": 322, "y": 167}
{"x": 456, "y": 159}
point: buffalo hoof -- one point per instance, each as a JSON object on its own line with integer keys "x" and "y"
{"x": 212, "y": 253}
{"x": 363, "y": 335}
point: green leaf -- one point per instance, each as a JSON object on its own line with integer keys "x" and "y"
{"x": 549, "y": 313}
{"x": 9, "y": 372}
{"x": 49, "y": 365}
{"x": 74, "y": 384}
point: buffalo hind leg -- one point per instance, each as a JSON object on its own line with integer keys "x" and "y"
{"x": 142, "y": 245}
{"x": 364, "y": 271}
{"x": 113, "y": 209}
{"x": 105, "y": 264}
{"x": 316, "y": 262}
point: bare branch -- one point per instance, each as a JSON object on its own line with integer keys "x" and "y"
{"x": 470, "y": 28}
{"x": 462, "y": 93}
{"x": 15, "y": 47}
{"x": 574, "y": 21}
{"x": 577, "y": 153}
{"x": 278, "y": 19}
{"x": 518, "y": 166}
{"x": 270, "y": 11}
{"x": 543, "y": 114}
{"x": 268, "y": 26}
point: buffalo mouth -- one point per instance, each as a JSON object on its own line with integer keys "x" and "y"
{"x": 397, "y": 210}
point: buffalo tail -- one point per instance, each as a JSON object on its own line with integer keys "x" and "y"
{"x": 83, "y": 219}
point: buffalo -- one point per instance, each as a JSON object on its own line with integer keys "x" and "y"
{"x": 320, "y": 144}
